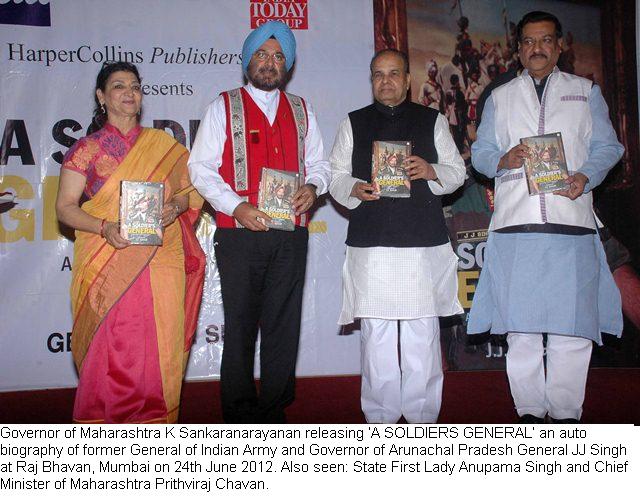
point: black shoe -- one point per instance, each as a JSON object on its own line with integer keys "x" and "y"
{"x": 530, "y": 419}
{"x": 551, "y": 420}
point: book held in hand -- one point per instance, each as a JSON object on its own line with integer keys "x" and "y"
{"x": 141, "y": 212}
{"x": 387, "y": 168}
{"x": 546, "y": 168}
{"x": 275, "y": 198}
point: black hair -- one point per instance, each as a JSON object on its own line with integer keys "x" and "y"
{"x": 538, "y": 16}
{"x": 108, "y": 69}
{"x": 399, "y": 53}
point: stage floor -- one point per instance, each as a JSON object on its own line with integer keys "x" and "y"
{"x": 613, "y": 396}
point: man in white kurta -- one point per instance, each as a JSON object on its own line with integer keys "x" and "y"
{"x": 545, "y": 270}
{"x": 400, "y": 272}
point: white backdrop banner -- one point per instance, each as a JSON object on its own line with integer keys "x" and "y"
{"x": 188, "y": 51}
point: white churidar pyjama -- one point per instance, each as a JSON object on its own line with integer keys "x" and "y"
{"x": 401, "y": 370}
{"x": 561, "y": 392}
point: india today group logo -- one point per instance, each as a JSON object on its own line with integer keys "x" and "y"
{"x": 293, "y": 13}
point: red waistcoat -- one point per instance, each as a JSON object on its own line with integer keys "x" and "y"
{"x": 252, "y": 143}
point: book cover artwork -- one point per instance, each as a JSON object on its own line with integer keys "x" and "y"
{"x": 546, "y": 168}
{"x": 275, "y": 199}
{"x": 141, "y": 212}
{"x": 387, "y": 171}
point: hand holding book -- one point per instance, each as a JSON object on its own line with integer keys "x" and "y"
{"x": 418, "y": 168}
{"x": 304, "y": 198}
{"x": 250, "y": 217}
{"x": 575, "y": 186}
{"x": 515, "y": 157}
{"x": 365, "y": 192}
{"x": 111, "y": 233}
{"x": 173, "y": 208}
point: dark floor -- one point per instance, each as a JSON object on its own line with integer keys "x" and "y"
{"x": 613, "y": 396}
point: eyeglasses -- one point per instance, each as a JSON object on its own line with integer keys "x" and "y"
{"x": 278, "y": 57}
{"x": 547, "y": 41}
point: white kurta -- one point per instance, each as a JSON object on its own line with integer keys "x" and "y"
{"x": 541, "y": 282}
{"x": 390, "y": 282}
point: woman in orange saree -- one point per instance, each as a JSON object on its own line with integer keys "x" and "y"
{"x": 134, "y": 306}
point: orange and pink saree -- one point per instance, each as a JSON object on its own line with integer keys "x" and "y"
{"x": 135, "y": 309}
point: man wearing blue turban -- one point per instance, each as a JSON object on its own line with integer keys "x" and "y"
{"x": 261, "y": 272}
{"x": 270, "y": 30}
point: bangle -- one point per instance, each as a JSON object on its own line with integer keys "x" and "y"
{"x": 102, "y": 227}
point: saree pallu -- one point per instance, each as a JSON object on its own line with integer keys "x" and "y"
{"x": 135, "y": 309}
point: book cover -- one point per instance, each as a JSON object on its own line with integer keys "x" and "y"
{"x": 387, "y": 170}
{"x": 275, "y": 198}
{"x": 546, "y": 168}
{"x": 141, "y": 212}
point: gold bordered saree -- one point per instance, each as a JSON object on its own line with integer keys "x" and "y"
{"x": 102, "y": 276}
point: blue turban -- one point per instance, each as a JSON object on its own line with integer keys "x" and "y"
{"x": 277, "y": 29}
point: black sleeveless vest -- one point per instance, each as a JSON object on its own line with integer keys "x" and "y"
{"x": 417, "y": 221}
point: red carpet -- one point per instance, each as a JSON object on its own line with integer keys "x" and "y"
{"x": 613, "y": 396}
